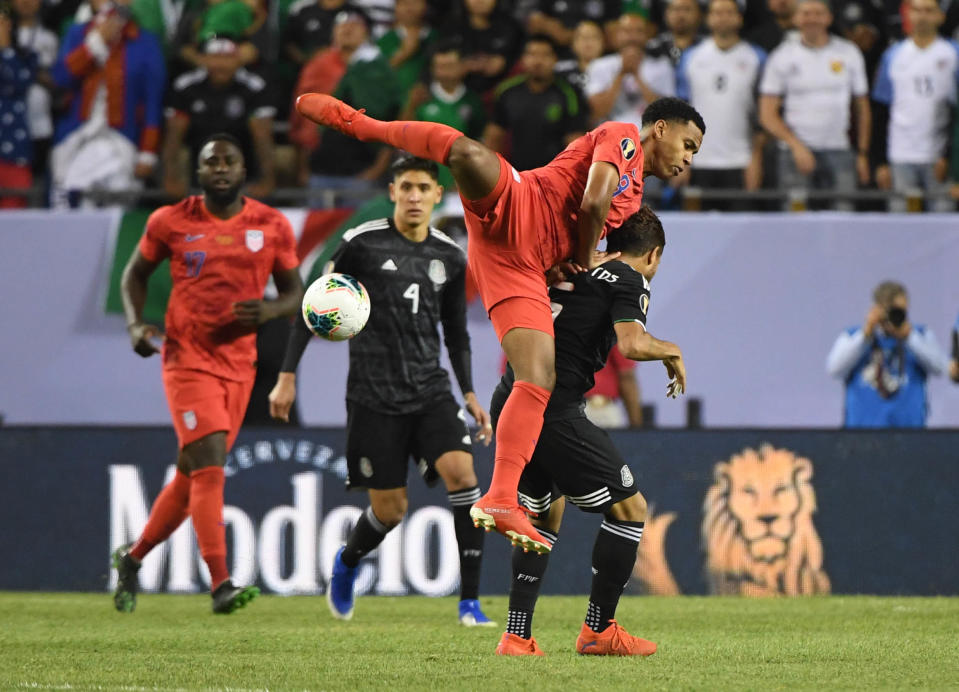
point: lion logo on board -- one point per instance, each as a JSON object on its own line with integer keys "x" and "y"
{"x": 757, "y": 530}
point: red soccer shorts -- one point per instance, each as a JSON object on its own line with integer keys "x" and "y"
{"x": 509, "y": 252}
{"x": 201, "y": 404}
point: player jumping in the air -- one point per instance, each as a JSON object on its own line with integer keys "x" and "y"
{"x": 575, "y": 458}
{"x": 522, "y": 224}
{"x": 398, "y": 398}
{"x": 223, "y": 248}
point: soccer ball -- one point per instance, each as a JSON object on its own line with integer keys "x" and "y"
{"x": 336, "y": 307}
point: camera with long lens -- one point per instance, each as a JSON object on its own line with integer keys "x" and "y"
{"x": 896, "y": 316}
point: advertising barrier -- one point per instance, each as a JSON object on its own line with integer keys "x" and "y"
{"x": 732, "y": 512}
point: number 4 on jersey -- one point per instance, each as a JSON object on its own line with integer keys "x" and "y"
{"x": 412, "y": 293}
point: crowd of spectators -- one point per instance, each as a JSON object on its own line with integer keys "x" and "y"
{"x": 799, "y": 95}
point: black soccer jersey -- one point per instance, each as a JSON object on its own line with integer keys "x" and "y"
{"x": 229, "y": 108}
{"x": 584, "y": 312}
{"x": 395, "y": 360}
{"x": 539, "y": 122}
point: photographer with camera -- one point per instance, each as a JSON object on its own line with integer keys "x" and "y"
{"x": 885, "y": 363}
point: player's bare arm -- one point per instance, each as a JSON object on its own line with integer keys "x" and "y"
{"x": 133, "y": 290}
{"x": 636, "y": 343}
{"x": 253, "y": 313}
{"x": 600, "y": 185}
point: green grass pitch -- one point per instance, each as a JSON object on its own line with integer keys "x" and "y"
{"x": 78, "y": 642}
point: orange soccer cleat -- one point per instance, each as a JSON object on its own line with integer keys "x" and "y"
{"x": 511, "y": 521}
{"x": 613, "y": 641}
{"x": 327, "y": 110}
{"x": 511, "y": 645}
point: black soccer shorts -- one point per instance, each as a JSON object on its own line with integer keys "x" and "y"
{"x": 379, "y": 445}
{"x": 577, "y": 459}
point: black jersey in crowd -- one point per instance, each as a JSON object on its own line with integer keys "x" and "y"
{"x": 584, "y": 312}
{"x": 229, "y": 108}
{"x": 539, "y": 122}
{"x": 395, "y": 361}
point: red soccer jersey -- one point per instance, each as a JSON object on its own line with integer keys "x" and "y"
{"x": 215, "y": 263}
{"x": 564, "y": 178}
{"x": 606, "y": 380}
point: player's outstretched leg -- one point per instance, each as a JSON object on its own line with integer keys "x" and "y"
{"x": 614, "y": 555}
{"x": 528, "y": 571}
{"x": 427, "y": 140}
{"x": 475, "y": 167}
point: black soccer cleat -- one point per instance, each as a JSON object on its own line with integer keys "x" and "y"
{"x": 125, "y": 597}
{"x": 228, "y": 598}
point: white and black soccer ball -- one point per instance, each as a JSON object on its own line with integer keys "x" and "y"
{"x": 336, "y": 307}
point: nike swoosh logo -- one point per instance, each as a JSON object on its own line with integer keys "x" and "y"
{"x": 190, "y": 238}
{"x": 589, "y": 644}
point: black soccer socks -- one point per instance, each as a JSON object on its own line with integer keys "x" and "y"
{"x": 528, "y": 571}
{"x": 469, "y": 538}
{"x": 368, "y": 533}
{"x": 614, "y": 554}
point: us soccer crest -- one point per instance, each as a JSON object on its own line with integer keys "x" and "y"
{"x": 437, "y": 272}
{"x": 254, "y": 240}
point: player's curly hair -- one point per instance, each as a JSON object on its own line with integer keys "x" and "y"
{"x": 672, "y": 109}
{"x": 638, "y": 234}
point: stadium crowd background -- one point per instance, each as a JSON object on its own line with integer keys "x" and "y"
{"x": 99, "y": 96}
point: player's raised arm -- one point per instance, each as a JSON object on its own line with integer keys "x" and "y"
{"x": 601, "y": 183}
{"x": 133, "y": 290}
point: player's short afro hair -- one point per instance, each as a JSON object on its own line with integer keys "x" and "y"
{"x": 638, "y": 234}
{"x": 220, "y": 137}
{"x": 672, "y": 109}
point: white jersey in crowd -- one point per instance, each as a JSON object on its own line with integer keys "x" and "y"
{"x": 919, "y": 86}
{"x": 45, "y": 44}
{"x": 658, "y": 73}
{"x": 721, "y": 85}
{"x": 817, "y": 86}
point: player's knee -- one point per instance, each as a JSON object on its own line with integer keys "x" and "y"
{"x": 456, "y": 470}
{"x": 631, "y": 509}
{"x": 466, "y": 153}
{"x": 460, "y": 479}
{"x": 390, "y": 511}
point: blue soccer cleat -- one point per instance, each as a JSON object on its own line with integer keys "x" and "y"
{"x": 472, "y": 616}
{"x": 339, "y": 592}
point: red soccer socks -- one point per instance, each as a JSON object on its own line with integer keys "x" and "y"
{"x": 169, "y": 510}
{"x": 206, "y": 510}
